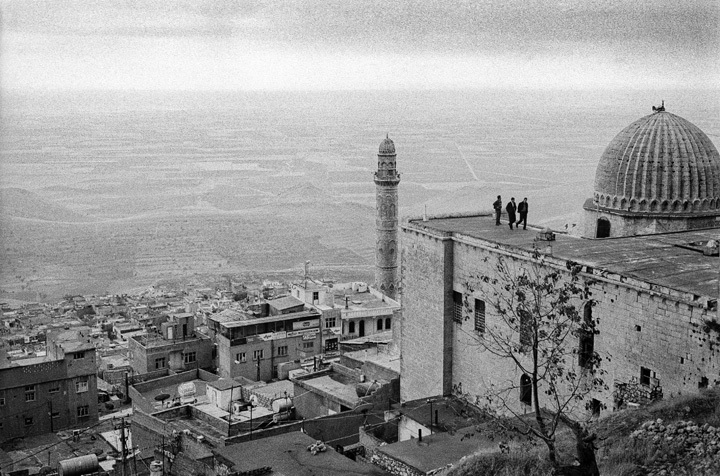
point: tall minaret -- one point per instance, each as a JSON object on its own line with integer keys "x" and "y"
{"x": 386, "y": 221}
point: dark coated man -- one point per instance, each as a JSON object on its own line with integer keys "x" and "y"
{"x": 522, "y": 211}
{"x": 511, "y": 209}
{"x": 497, "y": 206}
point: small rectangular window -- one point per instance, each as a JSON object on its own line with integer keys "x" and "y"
{"x": 54, "y": 388}
{"x": 644, "y": 376}
{"x": 28, "y": 421}
{"x": 479, "y": 316}
{"x": 316, "y": 296}
{"x": 330, "y": 322}
{"x": 308, "y": 345}
{"x": 83, "y": 410}
{"x": 282, "y": 350}
{"x": 240, "y": 357}
{"x": 79, "y": 355}
{"x": 81, "y": 386}
{"x": 258, "y": 354}
{"x": 586, "y": 350}
{"x": 457, "y": 307}
{"x": 160, "y": 363}
{"x": 2, "y": 402}
{"x": 30, "y": 393}
{"x": 189, "y": 357}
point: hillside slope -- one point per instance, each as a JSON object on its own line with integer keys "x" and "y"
{"x": 679, "y": 436}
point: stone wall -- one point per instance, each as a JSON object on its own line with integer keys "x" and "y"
{"x": 393, "y": 466}
{"x": 644, "y": 225}
{"x": 656, "y": 336}
{"x": 426, "y": 364}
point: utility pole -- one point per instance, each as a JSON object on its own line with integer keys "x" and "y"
{"x": 122, "y": 446}
{"x": 251, "y": 424}
{"x": 52, "y": 430}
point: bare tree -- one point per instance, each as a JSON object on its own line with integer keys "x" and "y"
{"x": 541, "y": 322}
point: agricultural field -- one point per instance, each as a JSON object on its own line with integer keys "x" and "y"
{"x": 111, "y": 192}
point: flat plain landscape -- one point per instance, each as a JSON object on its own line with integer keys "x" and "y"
{"x": 114, "y": 191}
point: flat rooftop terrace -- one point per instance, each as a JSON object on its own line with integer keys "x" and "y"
{"x": 664, "y": 260}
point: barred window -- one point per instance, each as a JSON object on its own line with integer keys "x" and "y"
{"x": 160, "y": 363}
{"x": 479, "y": 316}
{"x": 308, "y": 345}
{"x": 240, "y": 357}
{"x": 282, "y": 350}
{"x": 586, "y": 348}
{"x": 330, "y": 322}
{"x": 258, "y": 354}
{"x": 189, "y": 357}
{"x": 525, "y": 327}
{"x": 457, "y": 307}
{"x": 83, "y": 410}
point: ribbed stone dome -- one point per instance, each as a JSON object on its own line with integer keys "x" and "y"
{"x": 660, "y": 163}
{"x": 387, "y": 147}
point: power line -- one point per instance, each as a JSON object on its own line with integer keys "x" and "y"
{"x": 52, "y": 446}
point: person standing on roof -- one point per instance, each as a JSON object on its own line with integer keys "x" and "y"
{"x": 497, "y": 206}
{"x": 511, "y": 209}
{"x": 522, "y": 211}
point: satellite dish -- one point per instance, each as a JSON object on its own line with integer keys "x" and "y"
{"x": 161, "y": 397}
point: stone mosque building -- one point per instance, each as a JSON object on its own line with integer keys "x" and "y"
{"x": 649, "y": 254}
{"x": 659, "y": 174}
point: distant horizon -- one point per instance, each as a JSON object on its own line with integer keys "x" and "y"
{"x": 357, "y": 45}
{"x": 379, "y": 89}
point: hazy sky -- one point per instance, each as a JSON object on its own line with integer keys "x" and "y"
{"x": 355, "y": 44}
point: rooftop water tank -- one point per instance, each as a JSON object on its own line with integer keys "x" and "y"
{"x": 78, "y": 466}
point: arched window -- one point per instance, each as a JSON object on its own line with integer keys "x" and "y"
{"x": 603, "y": 228}
{"x": 379, "y": 324}
{"x": 351, "y": 327}
{"x": 388, "y": 323}
{"x": 525, "y": 390}
{"x": 586, "y": 347}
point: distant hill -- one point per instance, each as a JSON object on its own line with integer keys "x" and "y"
{"x": 21, "y": 203}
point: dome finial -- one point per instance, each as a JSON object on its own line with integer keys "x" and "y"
{"x": 387, "y": 135}
{"x": 661, "y": 108}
